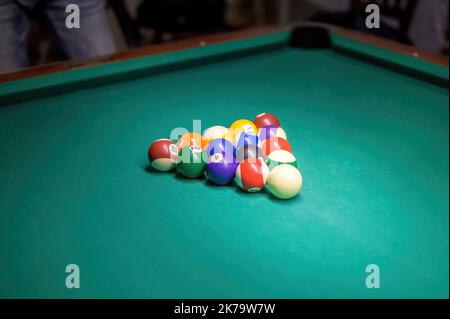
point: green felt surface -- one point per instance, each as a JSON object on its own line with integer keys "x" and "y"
{"x": 372, "y": 146}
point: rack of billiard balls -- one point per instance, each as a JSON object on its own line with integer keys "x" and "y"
{"x": 255, "y": 155}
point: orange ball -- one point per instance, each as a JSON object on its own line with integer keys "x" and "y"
{"x": 190, "y": 139}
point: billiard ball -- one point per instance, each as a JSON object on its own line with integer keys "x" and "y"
{"x": 280, "y": 157}
{"x": 266, "y": 119}
{"x": 221, "y": 146}
{"x": 270, "y": 131}
{"x": 249, "y": 151}
{"x": 214, "y": 132}
{"x": 190, "y": 139}
{"x": 251, "y": 175}
{"x": 285, "y": 181}
{"x": 162, "y": 155}
{"x": 191, "y": 163}
{"x": 243, "y": 125}
{"x": 275, "y": 143}
{"x": 243, "y": 138}
{"x": 219, "y": 170}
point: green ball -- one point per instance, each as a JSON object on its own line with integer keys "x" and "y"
{"x": 280, "y": 157}
{"x": 191, "y": 163}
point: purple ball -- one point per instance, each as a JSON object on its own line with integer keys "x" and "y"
{"x": 220, "y": 171}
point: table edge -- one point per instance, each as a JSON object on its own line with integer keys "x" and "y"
{"x": 219, "y": 38}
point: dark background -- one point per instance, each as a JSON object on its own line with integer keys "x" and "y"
{"x": 135, "y": 23}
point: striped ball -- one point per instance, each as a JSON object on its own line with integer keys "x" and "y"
{"x": 266, "y": 119}
{"x": 270, "y": 131}
{"x": 279, "y": 157}
{"x": 163, "y": 154}
{"x": 251, "y": 175}
{"x": 214, "y": 132}
{"x": 275, "y": 143}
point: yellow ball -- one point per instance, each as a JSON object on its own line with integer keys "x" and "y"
{"x": 229, "y": 136}
{"x": 243, "y": 125}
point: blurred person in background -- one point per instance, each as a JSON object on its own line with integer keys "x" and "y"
{"x": 93, "y": 38}
{"x": 425, "y": 27}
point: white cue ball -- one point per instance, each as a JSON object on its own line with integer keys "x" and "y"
{"x": 285, "y": 181}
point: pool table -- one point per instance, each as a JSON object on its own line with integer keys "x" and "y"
{"x": 368, "y": 124}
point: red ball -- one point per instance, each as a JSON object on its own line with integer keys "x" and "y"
{"x": 274, "y": 144}
{"x": 266, "y": 119}
{"x": 252, "y": 174}
{"x": 163, "y": 154}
